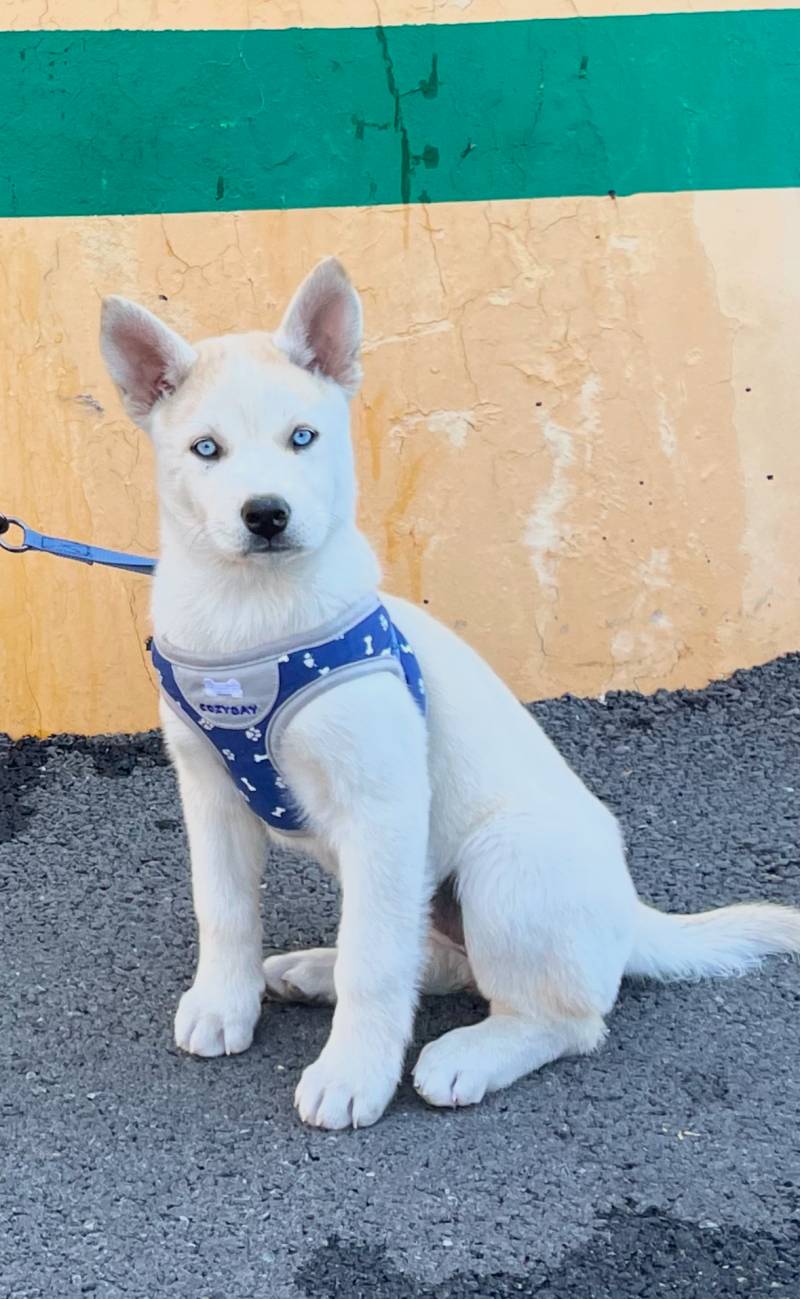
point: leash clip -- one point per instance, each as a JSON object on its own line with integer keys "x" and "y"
{"x": 8, "y": 521}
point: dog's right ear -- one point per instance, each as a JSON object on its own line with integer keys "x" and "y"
{"x": 147, "y": 360}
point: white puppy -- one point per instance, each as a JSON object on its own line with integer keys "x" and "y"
{"x": 468, "y": 852}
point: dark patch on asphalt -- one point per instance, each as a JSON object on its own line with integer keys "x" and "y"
{"x": 118, "y": 755}
{"x": 128, "y": 1169}
{"x": 630, "y": 1256}
{"x": 21, "y": 765}
{"x": 24, "y": 762}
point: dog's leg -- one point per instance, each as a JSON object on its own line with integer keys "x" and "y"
{"x": 218, "y": 1014}
{"x": 308, "y": 976}
{"x": 364, "y": 782}
{"x": 377, "y": 969}
{"x": 547, "y": 924}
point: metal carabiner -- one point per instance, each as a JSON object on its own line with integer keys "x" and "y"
{"x": 7, "y": 521}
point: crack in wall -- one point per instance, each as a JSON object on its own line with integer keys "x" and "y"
{"x": 399, "y": 123}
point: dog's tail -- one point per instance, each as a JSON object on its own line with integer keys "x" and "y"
{"x": 726, "y": 941}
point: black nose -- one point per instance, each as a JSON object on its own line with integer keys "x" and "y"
{"x": 266, "y": 516}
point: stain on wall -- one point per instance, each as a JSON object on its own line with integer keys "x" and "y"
{"x": 576, "y": 439}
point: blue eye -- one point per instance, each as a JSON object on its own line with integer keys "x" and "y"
{"x": 302, "y": 438}
{"x": 206, "y": 448}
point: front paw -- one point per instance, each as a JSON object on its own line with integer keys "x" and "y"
{"x": 345, "y": 1088}
{"x": 215, "y": 1019}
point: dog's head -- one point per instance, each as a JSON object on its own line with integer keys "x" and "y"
{"x": 251, "y": 431}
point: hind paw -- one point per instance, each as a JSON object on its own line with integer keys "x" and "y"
{"x": 302, "y": 976}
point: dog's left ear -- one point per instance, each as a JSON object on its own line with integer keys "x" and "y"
{"x": 322, "y": 326}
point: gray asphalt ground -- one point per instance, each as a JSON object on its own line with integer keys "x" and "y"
{"x": 666, "y": 1165}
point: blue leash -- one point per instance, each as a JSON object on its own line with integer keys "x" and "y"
{"x": 33, "y": 540}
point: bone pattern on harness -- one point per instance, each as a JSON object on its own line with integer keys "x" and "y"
{"x": 240, "y": 706}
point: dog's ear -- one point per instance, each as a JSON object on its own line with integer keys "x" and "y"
{"x": 322, "y": 326}
{"x": 146, "y": 359}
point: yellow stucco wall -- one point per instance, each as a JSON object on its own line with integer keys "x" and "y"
{"x": 576, "y": 440}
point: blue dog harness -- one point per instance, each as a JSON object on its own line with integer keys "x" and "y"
{"x": 241, "y": 704}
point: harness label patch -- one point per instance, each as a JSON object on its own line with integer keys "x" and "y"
{"x": 234, "y": 698}
{"x": 230, "y": 689}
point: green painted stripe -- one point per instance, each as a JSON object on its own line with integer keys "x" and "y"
{"x": 112, "y": 122}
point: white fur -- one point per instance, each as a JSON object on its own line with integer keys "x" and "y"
{"x": 551, "y": 920}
